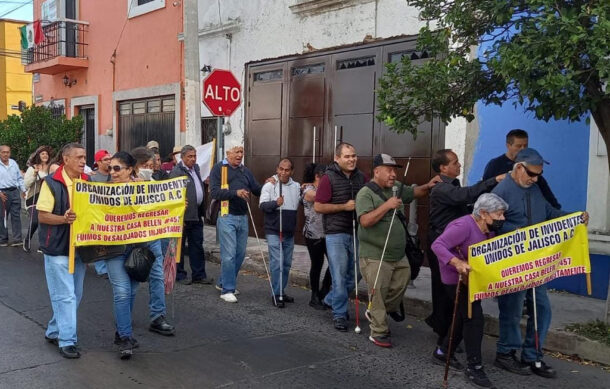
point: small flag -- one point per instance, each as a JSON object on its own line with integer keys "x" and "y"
{"x": 31, "y": 34}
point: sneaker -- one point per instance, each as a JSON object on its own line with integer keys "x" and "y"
{"x": 125, "y": 348}
{"x": 39, "y": 251}
{"x": 543, "y": 370}
{"x": 476, "y": 376}
{"x": 381, "y": 340}
{"x": 510, "y": 363}
{"x": 229, "y": 297}
{"x": 161, "y": 326}
{"x": 69, "y": 352}
{"x": 441, "y": 359}
{"x": 340, "y": 324}
{"x": 4, "y": 244}
{"x": 17, "y": 244}
{"x": 219, "y": 288}
{"x": 134, "y": 342}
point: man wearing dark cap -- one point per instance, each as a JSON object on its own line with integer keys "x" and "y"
{"x": 527, "y": 206}
{"x": 375, "y": 205}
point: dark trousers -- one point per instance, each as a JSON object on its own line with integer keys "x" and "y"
{"x": 471, "y": 330}
{"x": 11, "y": 208}
{"x": 442, "y": 303}
{"x": 33, "y": 216}
{"x": 317, "y": 250}
{"x": 193, "y": 232}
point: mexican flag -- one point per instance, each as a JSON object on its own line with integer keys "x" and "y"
{"x": 31, "y": 34}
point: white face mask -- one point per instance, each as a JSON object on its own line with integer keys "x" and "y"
{"x": 145, "y": 174}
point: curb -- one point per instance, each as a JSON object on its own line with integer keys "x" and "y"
{"x": 557, "y": 340}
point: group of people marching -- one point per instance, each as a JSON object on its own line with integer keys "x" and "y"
{"x": 359, "y": 224}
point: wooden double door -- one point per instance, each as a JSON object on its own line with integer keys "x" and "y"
{"x": 301, "y": 107}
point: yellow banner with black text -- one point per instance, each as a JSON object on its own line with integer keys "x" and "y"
{"x": 529, "y": 257}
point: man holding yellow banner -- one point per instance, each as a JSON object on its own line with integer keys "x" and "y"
{"x": 527, "y": 206}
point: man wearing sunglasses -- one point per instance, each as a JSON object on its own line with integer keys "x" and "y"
{"x": 526, "y": 206}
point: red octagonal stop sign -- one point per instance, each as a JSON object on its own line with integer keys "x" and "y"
{"x": 221, "y": 92}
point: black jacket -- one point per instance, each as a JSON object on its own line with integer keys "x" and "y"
{"x": 343, "y": 190}
{"x": 55, "y": 239}
{"x": 193, "y": 213}
{"x": 239, "y": 177}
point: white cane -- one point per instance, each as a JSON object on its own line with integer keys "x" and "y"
{"x": 537, "y": 362}
{"x": 281, "y": 298}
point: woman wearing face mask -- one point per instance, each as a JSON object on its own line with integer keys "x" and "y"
{"x": 451, "y": 248}
{"x": 156, "y": 282}
{"x": 38, "y": 169}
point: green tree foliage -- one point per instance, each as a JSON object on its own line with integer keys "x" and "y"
{"x": 550, "y": 56}
{"x": 37, "y": 127}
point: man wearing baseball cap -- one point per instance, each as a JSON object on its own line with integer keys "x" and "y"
{"x": 102, "y": 160}
{"x": 527, "y": 206}
{"x": 375, "y": 205}
{"x": 152, "y": 145}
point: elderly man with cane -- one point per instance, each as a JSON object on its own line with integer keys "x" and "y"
{"x": 383, "y": 263}
{"x": 527, "y": 207}
{"x": 451, "y": 249}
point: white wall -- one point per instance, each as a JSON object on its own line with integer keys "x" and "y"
{"x": 270, "y": 29}
{"x": 598, "y": 194}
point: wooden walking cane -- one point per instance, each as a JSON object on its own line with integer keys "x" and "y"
{"x": 455, "y": 305}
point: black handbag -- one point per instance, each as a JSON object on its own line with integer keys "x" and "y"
{"x": 96, "y": 253}
{"x": 413, "y": 251}
{"x": 211, "y": 212}
{"x": 139, "y": 263}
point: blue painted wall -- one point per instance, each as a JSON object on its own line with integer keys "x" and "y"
{"x": 565, "y": 145}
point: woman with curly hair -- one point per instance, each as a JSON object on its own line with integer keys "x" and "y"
{"x": 38, "y": 169}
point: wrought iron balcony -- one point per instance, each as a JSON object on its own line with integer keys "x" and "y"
{"x": 64, "y": 48}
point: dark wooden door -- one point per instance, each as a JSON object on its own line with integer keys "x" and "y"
{"x": 141, "y": 121}
{"x": 71, "y": 29}
{"x": 88, "y": 140}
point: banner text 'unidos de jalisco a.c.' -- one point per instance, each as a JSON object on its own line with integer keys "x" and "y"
{"x": 529, "y": 257}
{"x": 110, "y": 214}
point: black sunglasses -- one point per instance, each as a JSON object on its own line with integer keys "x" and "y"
{"x": 117, "y": 168}
{"x": 531, "y": 173}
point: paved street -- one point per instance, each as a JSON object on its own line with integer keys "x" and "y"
{"x": 249, "y": 344}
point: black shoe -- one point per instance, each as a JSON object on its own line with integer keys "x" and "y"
{"x": 315, "y": 303}
{"x": 398, "y": 316}
{"x": 184, "y": 281}
{"x": 161, "y": 326}
{"x": 125, "y": 348}
{"x": 340, "y": 324}
{"x": 509, "y": 362}
{"x": 276, "y": 301}
{"x": 53, "y": 341}
{"x": 543, "y": 371}
{"x": 134, "y": 342}
{"x": 203, "y": 281}
{"x": 69, "y": 352}
{"x": 441, "y": 359}
{"x": 288, "y": 299}
{"x": 476, "y": 376}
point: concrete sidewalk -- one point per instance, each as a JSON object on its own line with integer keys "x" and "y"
{"x": 567, "y": 308}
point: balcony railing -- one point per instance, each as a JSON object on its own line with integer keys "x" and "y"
{"x": 62, "y": 38}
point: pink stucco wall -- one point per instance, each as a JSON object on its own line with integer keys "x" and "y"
{"x": 147, "y": 54}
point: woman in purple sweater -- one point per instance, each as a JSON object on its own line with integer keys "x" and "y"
{"x": 451, "y": 248}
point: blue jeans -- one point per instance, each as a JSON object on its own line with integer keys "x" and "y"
{"x": 511, "y": 307}
{"x": 193, "y": 232}
{"x": 273, "y": 242}
{"x": 124, "y": 294}
{"x": 100, "y": 267}
{"x": 233, "y": 235}
{"x": 13, "y": 211}
{"x": 340, "y": 253}
{"x": 156, "y": 282}
{"x": 66, "y": 291}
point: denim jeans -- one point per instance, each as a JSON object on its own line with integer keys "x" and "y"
{"x": 124, "y": 294}
{"x": 66, "y": 291}
{"x": 156, "y": 282}
{"x": 13, "y": 211}
{"x": 273, "y": 242}
{"x": 511, "y": 307}
{"x": 100, "y": 267}
{"x": 340, "y": 252}
{"x": 232, "y": 231}
{"x": 193, "y": 233}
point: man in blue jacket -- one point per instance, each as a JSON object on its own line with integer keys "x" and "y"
{"x": 527, "y": 206}
{"x": 280, "y": 199}
{"x": 232, "y": 227}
